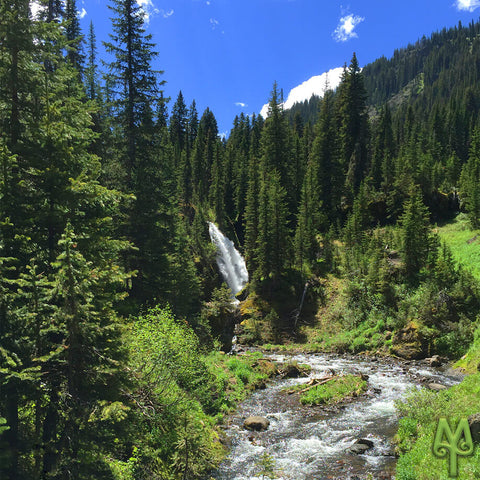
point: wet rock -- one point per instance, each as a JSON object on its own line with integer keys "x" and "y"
{"x": 434, "y": 361}
{"x": 361, "y": 446}
{"x": 474, "y": 424}
{"x": 436, "y": 387}
{"x": 255, "y": 423}
{"x": 294, "y": 370}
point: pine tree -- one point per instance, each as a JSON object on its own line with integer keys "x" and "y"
{"x": 178, "y": 127}
{"x": 273, "y": 239}
{"x": 324, "y": 159}
{"x": 252, "y": 195}
{"x": 74, "y": 36}
{"x": 204, "y": 151}
{"x": 276, "y": 145}
{"x": 192, "y": 126}
{"x": 47, "y": 167}
{"x": 131, "y": 74}
{"x": 353, "y": 126}
{"x": 415, "y": 234}
{"x": 91, "y": 74}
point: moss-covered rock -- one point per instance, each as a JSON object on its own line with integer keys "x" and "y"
{"x": 409, "y": 343}
{"x": 294, "y": 370}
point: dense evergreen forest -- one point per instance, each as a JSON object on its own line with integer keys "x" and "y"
{"x": 112, "y": 311}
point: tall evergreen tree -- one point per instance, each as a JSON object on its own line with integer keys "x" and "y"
{"x": 178, "y": 126}
{"x": 74, "y": 36}
{"x": 252, "y": 195}
{"x": 415, "y": 234}
{"x": 91, "y": 73}
{"x": 353, "y": 127}
{"x": 273, "y": 211}
{"x": 136, "y": 83}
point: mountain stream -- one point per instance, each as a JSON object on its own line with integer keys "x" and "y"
{"x": 307, "y": 443}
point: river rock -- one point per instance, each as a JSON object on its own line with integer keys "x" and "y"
{"x": 294, "y": 370}
{"x": 436, "y": 387}
{"x": 361, "y": 446}
{"x": 474, "y": 424}
{"x": 255, "y": 423}
{"x": 434, "y": 361}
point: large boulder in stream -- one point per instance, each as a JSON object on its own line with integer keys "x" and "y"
{"x": 409, "y": 343}
{"x": 361, "y": 446}
{"x": 294, "y": 370}
{"x": 258, "y": 424}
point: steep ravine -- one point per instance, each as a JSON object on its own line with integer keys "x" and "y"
{"x": 309, "y": 443}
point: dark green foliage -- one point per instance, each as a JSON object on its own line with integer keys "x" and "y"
{"x": 135, "y": 84}
{"x": 352, "y": 125}
{"x": 74, "y": 37}
{"x": 416, "y": 239}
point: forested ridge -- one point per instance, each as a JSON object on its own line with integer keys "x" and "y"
{"x": 112, "y": 310}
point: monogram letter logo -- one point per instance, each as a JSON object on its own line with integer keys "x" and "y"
{"x": 453, "y": 444}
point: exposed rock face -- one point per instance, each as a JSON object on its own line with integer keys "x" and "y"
{"x": 474, "y": 424}
{"x": 258, "y": 424}
{"x": 361, "y": 446}
{"x": 409, "y": 343}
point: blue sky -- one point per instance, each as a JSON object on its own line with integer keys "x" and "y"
{"x": 226, "y": 54}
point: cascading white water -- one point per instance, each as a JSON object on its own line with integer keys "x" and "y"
{"x": 231, "y": 264}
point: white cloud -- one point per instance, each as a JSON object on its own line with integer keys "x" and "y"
{"x": 346, "y": 26}
{"x": 241, "y": 104}
{"x": 313, "y": 86}
{"x": 208, "y": 2}
{"x": 83, "y": 13}
{"x": 148, "y": 8}
{"x": 214, "y": 23}
{"x": 468, "y": 5}
{"x": 166, "y": 14}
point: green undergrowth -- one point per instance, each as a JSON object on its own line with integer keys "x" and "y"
{"x": 470, "y": 362}
{"x": 182, "y": 394}
{"x": 419, "y": 414}
{"x": 334, "y": 391}
{"x": 463, "y": 242}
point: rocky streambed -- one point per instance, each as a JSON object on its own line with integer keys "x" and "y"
{"x": 347, "y": 441}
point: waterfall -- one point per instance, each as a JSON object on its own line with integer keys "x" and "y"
{"x": 231, "y": 264}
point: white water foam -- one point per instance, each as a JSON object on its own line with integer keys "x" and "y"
{"x": 230, "y": 263}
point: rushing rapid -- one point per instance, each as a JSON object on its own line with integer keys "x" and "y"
{"x": 307, "y": 443}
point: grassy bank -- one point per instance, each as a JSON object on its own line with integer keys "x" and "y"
{"x": 420, "y": 413}
{"x": 463, "y": 242}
